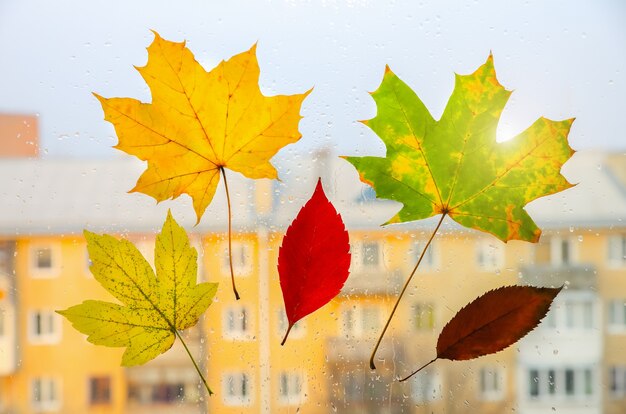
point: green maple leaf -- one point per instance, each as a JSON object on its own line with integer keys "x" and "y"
{"x": 454, "y": 166}
{"x": 154, "y": 307}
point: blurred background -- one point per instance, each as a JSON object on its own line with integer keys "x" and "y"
{"x": 59, "y": 175}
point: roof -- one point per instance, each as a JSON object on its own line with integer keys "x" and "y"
{"x": 64, "y": 196}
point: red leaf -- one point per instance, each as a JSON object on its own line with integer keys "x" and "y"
{"x": 314, "y": 258}
{"x": 492, "y": 322}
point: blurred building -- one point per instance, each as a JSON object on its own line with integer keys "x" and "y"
{"x": 19, "y": 135}
{"x": 575, "y": 362}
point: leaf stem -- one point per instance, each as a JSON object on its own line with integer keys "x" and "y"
{"x": 230, "y": 232}
{"x": 194, "y": 362}
{"x": 419, "y": 369}
{"x": 406, "y": 285}
{"x": 286, "y": 335}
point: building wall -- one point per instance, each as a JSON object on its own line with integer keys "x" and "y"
{"x": 326, "y": 352}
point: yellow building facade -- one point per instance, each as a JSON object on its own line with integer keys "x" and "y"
{"x": 574, "y": 361}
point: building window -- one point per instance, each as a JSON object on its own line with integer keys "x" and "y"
{"x": 168, "y": 393}
{"x": 617, "y": 381}
{"x": 236, "y": 389}
{"x": 429, "y": 262}
{"x": 423, "y": 317}
{"x": 617, "y": 315}
{"x": 44, "y": 327}
{"x": 489, "y": 255}
{"x": 370, "y": 254}
{"x": 426, "y": 386}
{"x": 166, "y": 386}
{"x": 7, "y": 251}
{"x": 579, "y": 314}
{"x": 533, "y": 383}
{"x": 362, "y": 320}
{"x": 562, "y": 251}
{"x": 366, "y": 255}
{"x": 44, "y": 261}
{"x": 45, "y": 394}
{"x": 617, "y": 250}
{"x": 237, "y": 323}
{"x": 99, "y": 390}
{"x": 242, "y": 258}
{"x": 291, "y": 388}
{"x": 491, "y": 383}
{"x": 297, "y": 331}
{"x": 567, "y": 383}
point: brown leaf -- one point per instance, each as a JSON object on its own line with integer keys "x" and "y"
{"x": 493, "y": 321}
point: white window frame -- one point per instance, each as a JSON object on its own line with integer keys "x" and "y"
{"x": 489, "y": 255}
{"x": 491, "y": 383}
{"x": 54, "y": 270}
{"x": 617, "y": 380}
{"x": 239, "y": 331}
{"x": 431, "y": 261}
{"x": 240, "y": 248}
{"x": 556, "y": 251}
{"x": 616, "y": 250}
{"x": 426, "y": 386}
{"x": 232, "y": 381}
{"x": 50, "y": 325}
{"x": 560, "y": 392}
{"x": 50, "y": 394}
{"x": 298, "y": 330}
{"x": 355, "y": 316}
{"x": 294, "y": 380}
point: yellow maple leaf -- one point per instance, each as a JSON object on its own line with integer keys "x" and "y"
{"x": 201, "y": 122}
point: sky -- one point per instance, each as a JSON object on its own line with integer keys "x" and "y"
{"x": 563, "y": 59}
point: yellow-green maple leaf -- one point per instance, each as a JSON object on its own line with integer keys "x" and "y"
{"x": 200, "y": 122}
{"x": 153, "y": 307}
{"x": 454, "y": 166}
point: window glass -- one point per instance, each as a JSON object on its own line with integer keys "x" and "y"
{"x": 489, "y": 255}
{"x": 237, "y": 322}
{"x": 44, "y": 327}
{"x": 237, "y": 389}
{"x": 45, "y": 394}
{"x": 491, "y": 383}
{"x": 617, "y": 250}
{"x": 291, "y": 388}
{"x": 426, "y": 386}
{"x": 61, "y": 174}
{"x": 100, "y": 390}
{"x": 424, "y": 315}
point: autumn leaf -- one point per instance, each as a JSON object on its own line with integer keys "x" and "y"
{"x": 492, "y": 322}
{"x": 314, "y": 258}
{"x": 152, "y": 308}
{"x": 201, "y": 122}
{"x": 454, "y": 166}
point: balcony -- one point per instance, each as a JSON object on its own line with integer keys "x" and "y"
{"x": 353, "y": 387}
{"x": 575, "y": 276}
{"x": 373, "y": 281}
